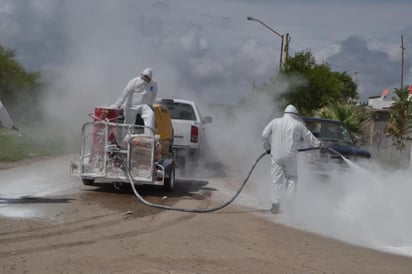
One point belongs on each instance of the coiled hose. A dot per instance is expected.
(206, 210)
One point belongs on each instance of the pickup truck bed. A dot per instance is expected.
(188, 126)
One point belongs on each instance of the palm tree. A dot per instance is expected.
(352, 115)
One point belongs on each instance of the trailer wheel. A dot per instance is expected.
(88, 182)
(170, 181)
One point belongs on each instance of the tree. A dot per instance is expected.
(318, 85)
(352, 115)
(400, 121)
(17, 84)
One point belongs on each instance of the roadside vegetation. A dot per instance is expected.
(15, 146)
(310, 86)
(317, 90)
(400, 122)
(20, 90)
(352, 115)
(21, 93)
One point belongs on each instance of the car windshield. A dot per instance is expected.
(330, 131)
(180, 111)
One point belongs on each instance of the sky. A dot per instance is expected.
(206, 50)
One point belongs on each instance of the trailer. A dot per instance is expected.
(111, 150)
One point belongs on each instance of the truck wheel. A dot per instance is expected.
(170, 181)
(88, 182)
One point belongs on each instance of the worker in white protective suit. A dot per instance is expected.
(280, 139)
(137, 98)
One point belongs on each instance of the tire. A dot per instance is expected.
(88, 182)
(170, 181)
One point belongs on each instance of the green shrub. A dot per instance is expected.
(16, 146)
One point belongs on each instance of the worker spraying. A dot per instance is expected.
(280, 139)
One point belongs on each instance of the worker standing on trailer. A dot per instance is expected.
(137, 98)
(280, 139)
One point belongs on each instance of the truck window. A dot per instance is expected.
(180, 111)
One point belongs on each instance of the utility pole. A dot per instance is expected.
(287, 47)
(282, 37)
(402, 50)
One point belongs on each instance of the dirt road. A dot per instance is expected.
(104, 230)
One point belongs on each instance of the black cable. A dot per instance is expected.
(206, 210)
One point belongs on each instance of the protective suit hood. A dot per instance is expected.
(291, 109)
(148, 72)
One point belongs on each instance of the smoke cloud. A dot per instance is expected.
(364, 206)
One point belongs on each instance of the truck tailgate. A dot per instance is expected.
(183, 133)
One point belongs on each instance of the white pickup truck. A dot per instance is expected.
(189, 128)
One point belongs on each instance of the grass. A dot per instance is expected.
(16, 146)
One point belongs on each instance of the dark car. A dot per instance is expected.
(335, 135)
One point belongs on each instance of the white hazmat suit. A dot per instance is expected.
(281, 137)
(137, 98)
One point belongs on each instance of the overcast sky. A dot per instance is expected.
(205, 49)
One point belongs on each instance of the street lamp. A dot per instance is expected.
(250, 18)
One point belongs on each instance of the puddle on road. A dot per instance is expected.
(123, 199)
(32, 207)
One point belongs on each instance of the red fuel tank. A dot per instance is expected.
(106, 113)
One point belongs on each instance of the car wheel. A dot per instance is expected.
(170, 180)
